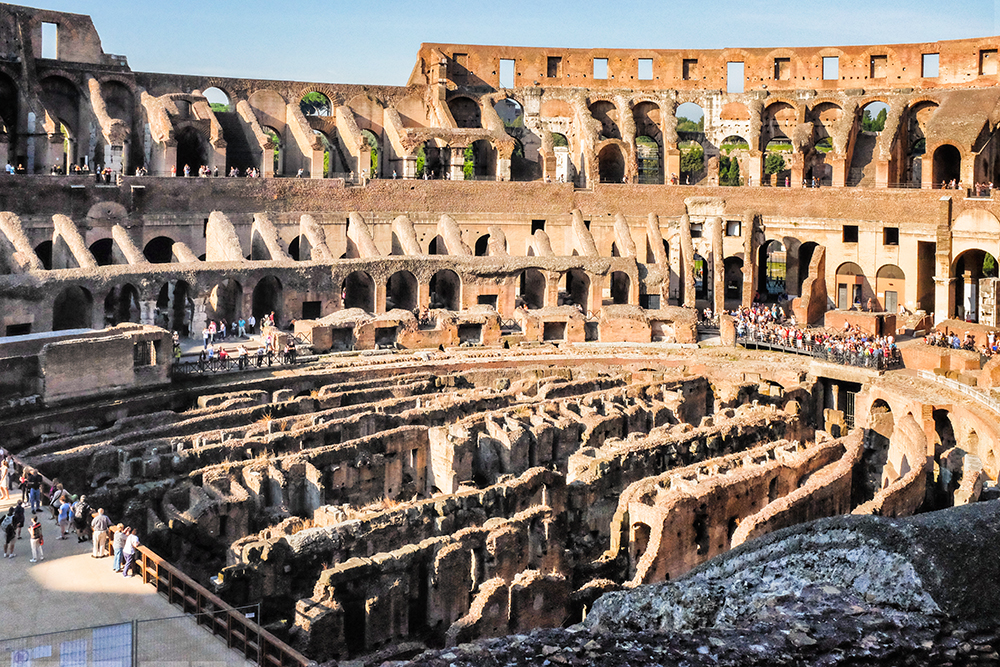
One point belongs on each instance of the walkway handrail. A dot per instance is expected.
(240, 633)
(231, 363)
(972, 392)
(820, 351)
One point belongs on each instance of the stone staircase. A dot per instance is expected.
(862, 172)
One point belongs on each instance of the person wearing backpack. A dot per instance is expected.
(81, 519)
(35, 530)
(9, 533)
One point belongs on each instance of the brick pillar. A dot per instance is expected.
(839, 164)
(687, 262)
(457, 163)
(798, 169)
(718, 266)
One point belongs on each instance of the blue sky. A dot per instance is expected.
(376, 41)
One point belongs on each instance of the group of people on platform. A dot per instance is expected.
(71, 514)
(768, 324)
(242, 328)
(952, 340)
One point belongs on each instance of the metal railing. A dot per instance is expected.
(233, 363)
(972, 392)
(858, 359)
(239, 632)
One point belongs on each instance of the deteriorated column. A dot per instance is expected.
(749, 258)
(687, 261)
(718, 266)
(944, 285)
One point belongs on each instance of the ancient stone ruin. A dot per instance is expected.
(515, 391)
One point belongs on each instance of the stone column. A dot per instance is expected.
(798, 168)
(200, 318)
(456, 166)
(718, 266)
(503, 168)
(755, 168)
(687, 262)
(927, 172)
(749, 259)
(147, 312)
(409, 166)
(839, 164)
(380, 295)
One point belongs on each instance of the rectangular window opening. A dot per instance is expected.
(734, 228)
(890, 236)
(645, 68)
(850, 233)
(459, 65)
(50, 40)
(600, 68)
(734, 77)
(506, 73)
(988, 61)
(878, 67)
(554, 67)
(929, 64)
(782, 69)
(537, 225)
(831, 68)
(690, 65)
(312, 310)
(696, 231)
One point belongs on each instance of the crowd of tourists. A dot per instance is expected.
(952, 340)
(72, 515)
(770, 325)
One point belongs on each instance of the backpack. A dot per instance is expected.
(7, 521)
(80, 511)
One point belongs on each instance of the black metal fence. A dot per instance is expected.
(827, 351)
(234, 363)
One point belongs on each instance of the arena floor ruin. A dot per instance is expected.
(507, 400)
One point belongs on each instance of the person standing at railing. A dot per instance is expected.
(35, 532)
(117, 544)
(129, 550)
(100, 526)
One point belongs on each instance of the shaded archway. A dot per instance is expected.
(72, 309)
(192, 150)
(611, 164)
(733, 268)
(159, 250)
(225, 301)
(358, 291)
(806, 251)
(607, 114)
(578, 289)
(772, 270)
(103, 251)
(947, 165)
(620, 286)
(446, 290)
(267, 299)
(437, 246)
(968, 269)
(276, 152)
(466, 112)
(701, 282)
(372, 169)
(850, 280)
(483, 246)
(890, 283)
(401, 291)
(174, 307)
(869, 473)
(44, 252)
(121, 305)
(531, 289)
(294, 250)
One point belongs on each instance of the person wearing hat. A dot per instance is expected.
(35, 531)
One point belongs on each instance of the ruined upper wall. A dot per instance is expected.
(77, 40)
(965, 62)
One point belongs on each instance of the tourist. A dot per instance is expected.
(187, 171)
(99, 526)
(129, 550)
(4, 479)
(55, 500)
(298, 174)
(9, 533)
(211, 332)
(35, 534)
(117, 544)
(81, 519)
(34, 482)
(204, 335)
(65, 515)
(242, 328)
(252, 322)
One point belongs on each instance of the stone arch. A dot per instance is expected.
(733, 271)
(611, 163)
(701, 281)
(578, 289)
(9, 104)
(374, 167)
(269, 107)
(482, 248)
(851, 286)
(890, 285)
(969, 267)
(778, 122)
(358, 291)
(620, 286)
(531, 288)
(806, 251)
(103, 251)
(437, 246)
(315, 103)
(446, 290)
(72, 309)
(44, 252)
(824, 117)
(918, 116)
(294, 249)
(871, 471)
(121, 305)
(947, 165)
(277, 150)
(267, 298)
(119, 101)
(218, 99)
(225, 301)
(175, 307)
(401, 291)
(159, 250)
(483, 159)
(606, 113)
(466, 112)
(648, 141)
(193, 149)
(772, 270)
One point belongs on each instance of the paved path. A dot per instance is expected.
(71, 590)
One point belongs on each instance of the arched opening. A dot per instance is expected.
(267, 299)
(639, 543)
(947, 166)
(175, 308)
(869, 475)
(607, 115)
(611, 164)
(690, 136)
(772, 266)
(648, 142)
(102, 250)
(578, 289)
(72, 309)
(401, 291)
(218, 100)
(62, 100)
(733, 267)
(850, 286)
(969, 268)
(192, 150)
(701, 284)
(480, 161)
(446, 290)
(890, 283)
(159, 250)
(918, 118)
(620, 286)
(328, 154)
(358, 291)
(9, 97)
(374, 157)
(466, 112)
(315, 104)
(521, 168)
(121, 305)
(44, 252)
(225, 301)
(943, 482)
(531, 289)
(277, 150)
(511, 114)
(806, 251)
(437, 246)
(293, 249)
(483, 246)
